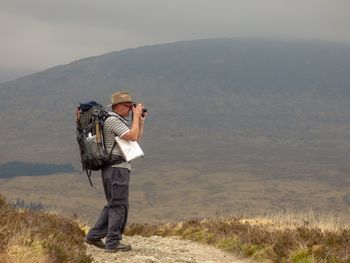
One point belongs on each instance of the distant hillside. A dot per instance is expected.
(280, 108)
(234, 125)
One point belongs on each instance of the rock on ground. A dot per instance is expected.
(157, 249)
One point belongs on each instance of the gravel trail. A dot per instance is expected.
(157, 249)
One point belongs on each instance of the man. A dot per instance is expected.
(115, 178)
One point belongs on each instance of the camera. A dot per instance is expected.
(144, 110)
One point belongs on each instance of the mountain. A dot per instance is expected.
(221, 87)
(267, 109)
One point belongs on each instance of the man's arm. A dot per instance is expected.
(141, 124)
(134, 133)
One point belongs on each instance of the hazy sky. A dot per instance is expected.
(38, 34)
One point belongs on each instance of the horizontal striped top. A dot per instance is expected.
(115, 125)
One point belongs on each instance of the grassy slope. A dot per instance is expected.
(40, 237)
(265, 240)
(33, 237)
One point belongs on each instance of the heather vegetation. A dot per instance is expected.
(264, 240)
(34, 237)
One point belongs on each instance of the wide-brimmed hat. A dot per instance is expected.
(120, 97)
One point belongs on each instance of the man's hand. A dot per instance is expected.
(136, 126)
(137, 111)
(143, 116)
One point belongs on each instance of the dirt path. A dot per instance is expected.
(157, 249)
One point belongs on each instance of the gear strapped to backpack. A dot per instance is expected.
(94, 156)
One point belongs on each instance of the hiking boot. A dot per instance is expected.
(120, 247)
(97, 243)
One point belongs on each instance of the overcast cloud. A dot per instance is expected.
(39, 34)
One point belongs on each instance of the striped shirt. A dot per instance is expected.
(115, 126)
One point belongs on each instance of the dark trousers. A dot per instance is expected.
(114, 215)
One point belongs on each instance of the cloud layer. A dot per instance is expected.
(38, 34)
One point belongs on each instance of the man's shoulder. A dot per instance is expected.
(114, 118)
(111, 115)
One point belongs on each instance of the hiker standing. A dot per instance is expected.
(115, 178)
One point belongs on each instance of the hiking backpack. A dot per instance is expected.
(90, 118)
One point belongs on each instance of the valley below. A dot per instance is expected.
(185, 191)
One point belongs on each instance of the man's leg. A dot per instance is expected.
(100, 229)
(118, 207)
(116, 219)
(126, 212)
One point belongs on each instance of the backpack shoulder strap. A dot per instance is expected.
(115, 142)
